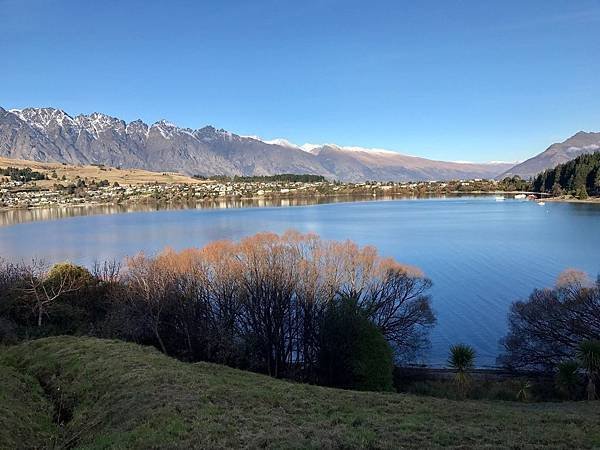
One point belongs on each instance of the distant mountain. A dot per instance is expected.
(559, 153)
(356, 163)
(51, 135)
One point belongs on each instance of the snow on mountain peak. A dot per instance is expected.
(42, 118)
(282, 143)
(165, 128)
(96, 123)
(316, 148)
(366, 150)
(310, 148)
(277, 141)
(164, 123)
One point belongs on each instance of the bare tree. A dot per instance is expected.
(268, 280)
(266, 297)
(107, 271)
(150, 281)
(45, 286)
(399, 305)
(548, 327)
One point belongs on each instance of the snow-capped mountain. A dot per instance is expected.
(556, 154)
(49, 134)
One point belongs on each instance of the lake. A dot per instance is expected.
(481, 254)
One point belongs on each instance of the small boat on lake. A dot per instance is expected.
(500, 199)
(520, 196)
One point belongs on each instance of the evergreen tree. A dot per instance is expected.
(353, 352)
(579, 177)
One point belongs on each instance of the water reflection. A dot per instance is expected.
(16, 216)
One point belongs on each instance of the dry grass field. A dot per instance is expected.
(98, 173)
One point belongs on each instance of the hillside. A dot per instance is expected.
(110, 394)
(52, 135)
(580, 177)
(96, 173)
(358, 164)
(559, 153)
(25, 413)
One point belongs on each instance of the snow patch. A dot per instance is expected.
(41, 118)
(165, 128)
(282, 143)
(310, 147)
(252, 136)
(504, 162)
(277, 141)
(367, 150)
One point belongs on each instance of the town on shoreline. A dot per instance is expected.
(39, 185)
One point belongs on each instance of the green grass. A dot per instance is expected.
(117, 395)
(26, 416)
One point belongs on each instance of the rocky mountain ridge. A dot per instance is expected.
(52, 135)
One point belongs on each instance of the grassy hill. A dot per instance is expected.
(110, 394)
(96, 173)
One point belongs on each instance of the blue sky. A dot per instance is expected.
(453, 80)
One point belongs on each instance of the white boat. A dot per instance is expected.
(499, 199)
(542, 203)
(520, 196)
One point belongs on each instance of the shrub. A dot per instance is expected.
(524, 390)
(8, 331)
(547, 328)
(589, 355)
(462, 360)
(567, 379)
(353, 352)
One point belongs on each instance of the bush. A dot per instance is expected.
(567, 379)
(589, 355)
(8, 332)
(66, 271)
(37, 302)
(462, 360)
(546, 329)
(353, 352)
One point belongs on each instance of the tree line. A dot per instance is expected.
(294, 306)
(579, 177)
(290, 305)
(24, 175)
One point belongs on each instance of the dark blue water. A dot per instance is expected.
(480, 254)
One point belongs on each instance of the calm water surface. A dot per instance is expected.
(480, 254)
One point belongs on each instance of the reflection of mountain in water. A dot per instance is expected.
(15, 216)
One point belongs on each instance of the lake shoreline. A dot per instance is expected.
(16, 215)
(9, 215)
(590, 200)
(313, 199)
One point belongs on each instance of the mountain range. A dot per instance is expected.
(52, 135)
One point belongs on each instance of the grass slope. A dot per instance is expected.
(112, 174)
(112, 394)
(25, 414)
